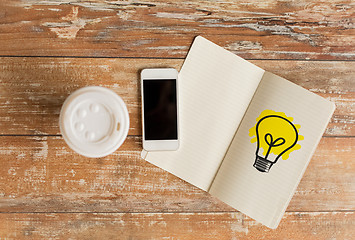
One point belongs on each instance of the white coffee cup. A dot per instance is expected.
(94, 121)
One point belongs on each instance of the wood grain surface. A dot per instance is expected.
(253, 29)
(187, 226)
(42, 174)
(49, 48)
(33, 89)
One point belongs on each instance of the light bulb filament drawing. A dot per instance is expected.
(271, 143)
(276, 137)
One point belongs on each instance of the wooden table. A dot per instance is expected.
(51, 48)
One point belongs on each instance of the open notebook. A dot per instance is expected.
(247, 135)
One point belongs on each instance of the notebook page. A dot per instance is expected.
(241, 182)
(215, 89)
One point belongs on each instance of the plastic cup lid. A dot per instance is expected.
(94, 121)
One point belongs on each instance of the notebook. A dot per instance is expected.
(247, 135)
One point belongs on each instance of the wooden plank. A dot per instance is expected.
(32, 90)
(312, 226)
(41, 174)
(266, 29)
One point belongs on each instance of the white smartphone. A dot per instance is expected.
(160, 109)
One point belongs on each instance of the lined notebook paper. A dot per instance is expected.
(265, 196)
(215, 88)
(224, 104)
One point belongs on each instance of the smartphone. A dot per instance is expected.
(160, 109)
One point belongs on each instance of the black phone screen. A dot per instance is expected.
(160, 109)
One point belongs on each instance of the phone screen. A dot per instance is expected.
(160, 109)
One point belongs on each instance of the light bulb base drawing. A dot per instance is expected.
(262, 164)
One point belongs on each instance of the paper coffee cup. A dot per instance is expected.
(94, 121)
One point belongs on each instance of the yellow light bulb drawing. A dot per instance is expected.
(276, 137)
